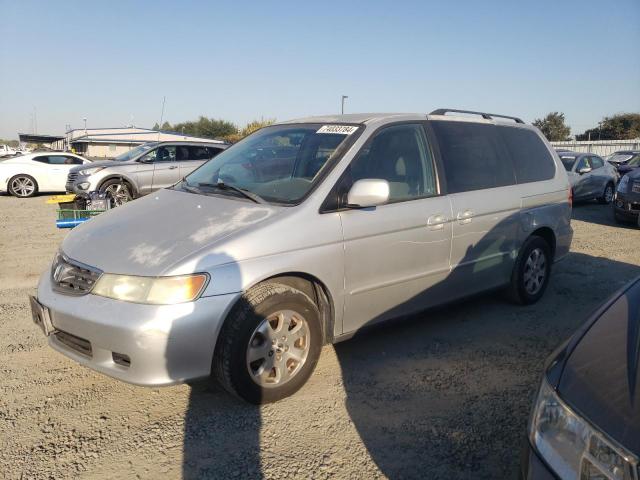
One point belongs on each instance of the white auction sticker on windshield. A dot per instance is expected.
(339, 129)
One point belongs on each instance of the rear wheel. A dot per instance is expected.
(531, 272)
(607, 194)
(23, 186)
(269, 344)
(118, 191)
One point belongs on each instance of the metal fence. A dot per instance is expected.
(599, 147)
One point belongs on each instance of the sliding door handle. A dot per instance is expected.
(436, 222)
(464, 216)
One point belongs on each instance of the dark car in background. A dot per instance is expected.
(586, 420)
(626, 207)
(590, 176)
(625, 162)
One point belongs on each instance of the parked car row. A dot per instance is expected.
(590, 176)
(26, 175)
(135, 173)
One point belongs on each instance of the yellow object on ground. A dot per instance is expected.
(70, 197)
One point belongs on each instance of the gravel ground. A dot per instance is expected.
(445, 395)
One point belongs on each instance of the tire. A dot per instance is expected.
(23, 186)
(119, 191)
(521, 290)
(607, 194)
(241, 339)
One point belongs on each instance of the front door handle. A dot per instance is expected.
(464, 216)
(173, 167)
(436, 222)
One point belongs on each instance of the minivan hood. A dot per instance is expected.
(151, 235)
(601, 378)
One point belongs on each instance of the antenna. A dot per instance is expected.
(161, 117)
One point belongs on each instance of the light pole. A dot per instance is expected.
(344, 97)
(85, 125)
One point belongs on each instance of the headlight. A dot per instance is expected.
(622, 185)
(572, 447)
(153, 290)
(91, 171)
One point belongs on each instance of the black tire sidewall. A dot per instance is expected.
(35, 184)
(531, 244)
(603, 198)
(241, 381)
(115, 181)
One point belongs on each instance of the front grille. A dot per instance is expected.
(78, 344)
(72, 177)
(71, 277)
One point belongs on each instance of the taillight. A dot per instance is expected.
(570, 198)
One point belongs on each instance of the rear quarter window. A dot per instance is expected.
(473, 156)
(531, 159)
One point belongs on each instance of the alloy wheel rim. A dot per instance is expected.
(608, 194)
(22, 186)
(278, 348)
(535, 271)
(119, 194)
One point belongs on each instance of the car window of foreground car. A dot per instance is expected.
(131, 154)
(281, 164)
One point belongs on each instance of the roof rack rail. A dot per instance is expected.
(487, 116)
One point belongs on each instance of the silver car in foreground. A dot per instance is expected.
(142, 170)
(300, 235)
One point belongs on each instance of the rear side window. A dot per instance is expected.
(531, 158)
(597, 162)
(58, 160)
(473, 156)
(213, 151)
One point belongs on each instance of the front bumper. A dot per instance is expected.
(73, 186)
(627, 207)
(164, 344)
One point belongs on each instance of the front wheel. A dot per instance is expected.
(269, 344)
(531, 272)
(117, 191)
(23, 186)
(607, 194)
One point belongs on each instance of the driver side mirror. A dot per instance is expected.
(368, 192)
(584, 170)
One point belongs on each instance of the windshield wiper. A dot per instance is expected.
(225, 186)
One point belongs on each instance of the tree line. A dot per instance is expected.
(623, 126)
(215, 128)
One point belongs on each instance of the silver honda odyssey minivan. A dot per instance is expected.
(302, 234)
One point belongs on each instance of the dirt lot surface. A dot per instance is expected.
(445, 395)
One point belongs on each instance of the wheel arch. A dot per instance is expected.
(548, 235)
(123, 178)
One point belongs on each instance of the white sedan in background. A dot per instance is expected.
(26, 175)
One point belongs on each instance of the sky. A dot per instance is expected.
(113, 62)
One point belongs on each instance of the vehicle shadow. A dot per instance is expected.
(446, 393)
(593, 212)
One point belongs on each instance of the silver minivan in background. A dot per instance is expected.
(300, 235)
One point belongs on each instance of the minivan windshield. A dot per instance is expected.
(278, 164)
(135, 152)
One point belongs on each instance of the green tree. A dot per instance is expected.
(166, 126)
(156, 126)
(553, 126)
(249, 129)
(206, 128)
(623, 126)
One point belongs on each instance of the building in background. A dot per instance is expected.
(106, 142)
